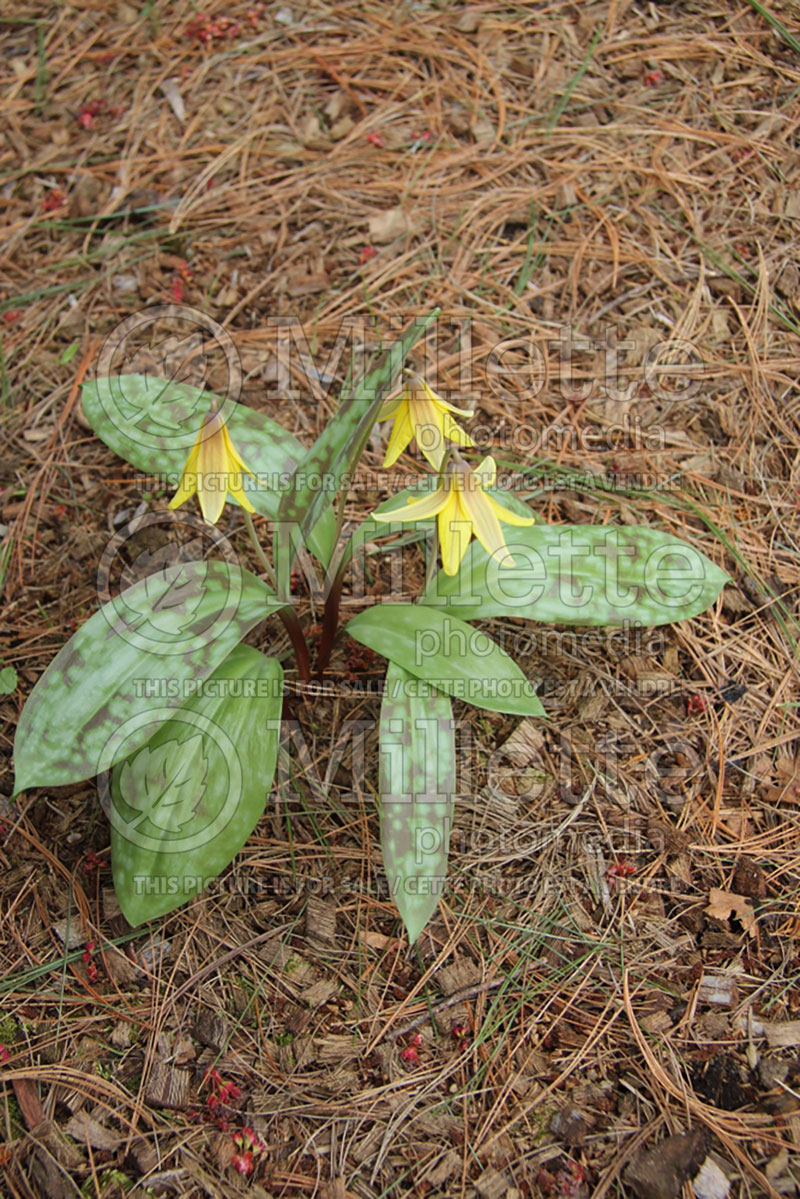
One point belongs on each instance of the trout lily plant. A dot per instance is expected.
(158, 695)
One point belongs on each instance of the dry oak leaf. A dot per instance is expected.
(787, 789)
(724, 904)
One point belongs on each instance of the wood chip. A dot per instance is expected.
(84, 1128)
(27, 1096)
(656, 1023)
(749, 880)
(302, 284)
(570, 1126)
(717, 990)
(336, 1049)
(444, 1169)
(458, 977)
(711, 1182)
(211, 1029)
(320, 992)
(468, 20)
(492, 1184)
(70, 933)
(335, 1189)
(122, 1034)
(321, 921)
(167, 1086)
(782, 1033)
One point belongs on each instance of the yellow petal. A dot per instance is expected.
(233, 453)
(486, 472)
(212, 472)
(431, 394)
(237, 492)
(454, 432)
(187, 484)
(402, 432)
(422, 509)
(211, 492)
(237, 468)
(427, 420)
(454, 534)
(183, 494)
(509, 517)
(485, 524)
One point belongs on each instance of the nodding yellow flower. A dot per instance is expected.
(464, 509)
(420, 413)
(214, 469)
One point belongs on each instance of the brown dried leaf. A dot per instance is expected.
(524, 744)
(724, 904)
(660, 1173)
(787, 788)
(391, 224)
(171, 90)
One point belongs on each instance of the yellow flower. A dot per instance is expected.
(420, 413)
(214, 470)
(464, 510)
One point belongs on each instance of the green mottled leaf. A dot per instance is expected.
(583, 575)
(139, 654)
(447, 653)
(336, 452)
(417, 786)
(153, 423)
(183, 805)
(8, 680)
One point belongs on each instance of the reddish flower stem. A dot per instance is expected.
(330, 622)
(292, 626)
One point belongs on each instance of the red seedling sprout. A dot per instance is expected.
(462, 1032)
(249, 1146)
(620, 869)
(92, 862)
(89, 111)
(86, 958)
(243, 1162)
(53, 200)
